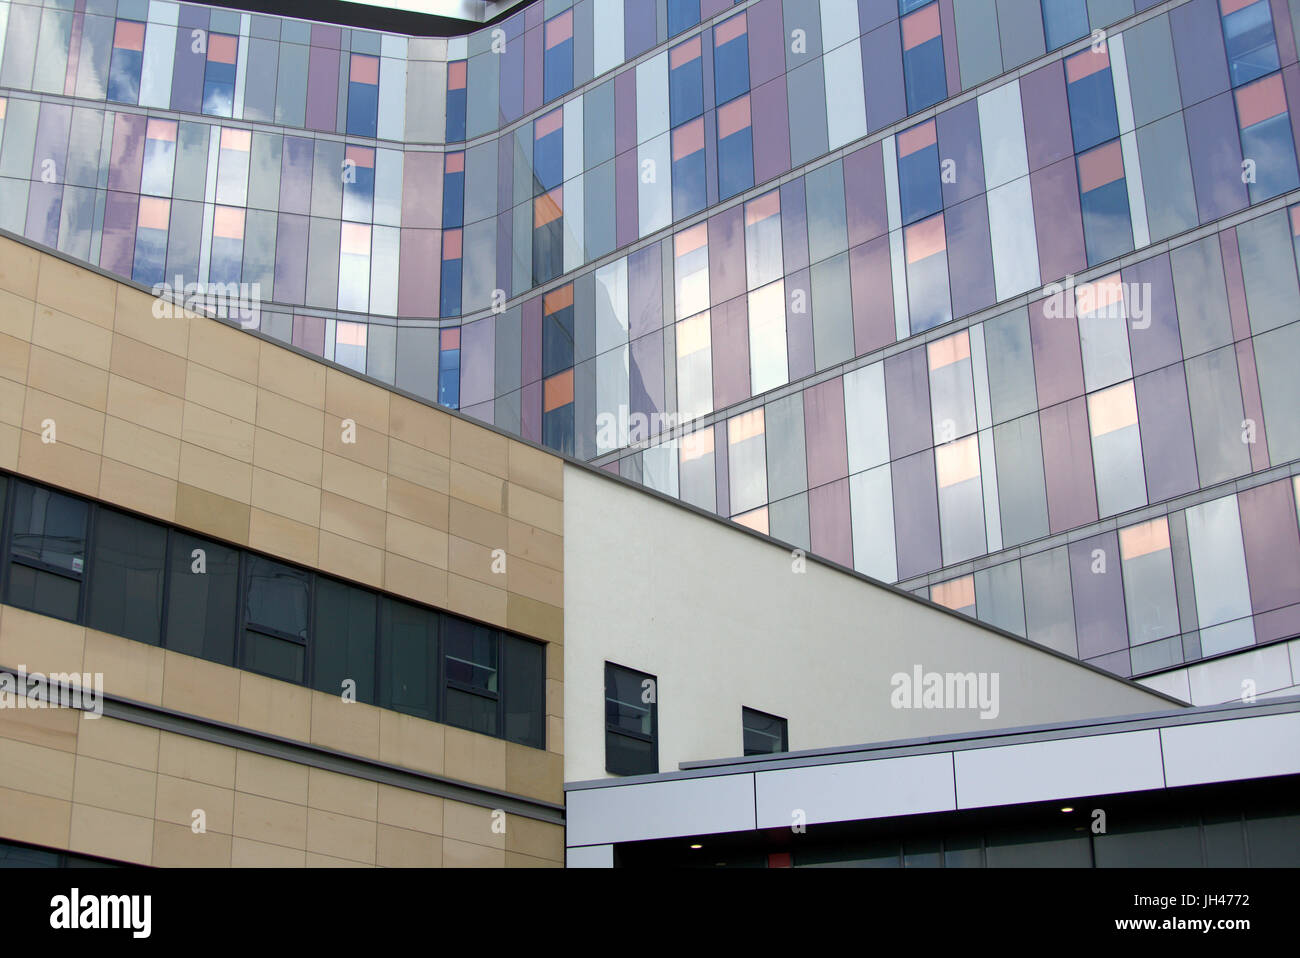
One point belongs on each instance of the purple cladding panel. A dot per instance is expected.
(646, 385)
(511, 81)
(1215, 149)
(1165, 425)
(794, 229)
(1282, 31)
(291, 260)
(948, 27)
(1268, 528)
(322, 88)
(422, 190)
(419, 275)
(873, 296)
(824, 435)
(1058, 221)
(644, 291)
(1098, 585)
(531, 347)
(882, 67)
(1251, 404)
(1058, 362)
(864, 194)
(625, 111)
(726, 255)
(1238, 312)
(530, 412)
(477, 362)
(766, 43)
(771, 129)
(829, 523)
(729, 332)
(639, 32)
(189, 65)
(1198, 39)
(626, 210)
(296, 160)
(916, 514)
(970, 256)
(959, 141)
(1067, 465)
(117, 251)
(533, 70)
(127, 155)
(1047, 116)
(1153, 335)
(875, 13)
(907, 403)
(324, 35)
(798, 325)
(309, 334)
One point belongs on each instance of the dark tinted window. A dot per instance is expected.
(408, 646)
(470, 667)
(126, 578)
(524, 686)
(202, 598)
(631, 721)
(763, 733)
(276, 604)
(344, 639)
(48, 549)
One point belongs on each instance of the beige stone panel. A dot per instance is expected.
(537, 470)
(534, 772)
(477, 759)
(415, 580)
(354, 481)
(416, 541)
(145, 406)
(76, 290)
(536, 582)
(215, 473)
(538, 619)
(58, 463)
(554, 734)
(351, 727)
(352, 520)
(527, 836)
(359, 443)
(517, 860)
(478, 488)
(218, 432)
(175, 846)
(14, 355)
(418, 465)
(70, 378)
(19, 268)
(245, 853)
(136, 489)
(268, 532)
(10, 437)
(351, 560)
(215, 515)
(342, 794)
(407, 809)
(73, 424)
(117, 787)
(347, 397)
(544, 548)
(192, 758)
(482, 526)
(47, 728)
(412, 501)
(290, 418)
(474, 823)
(402, 848)
(457, 854)
(13, 395)
(113, 740)
(224, 348)
(410, 742)
(133, 445)
(419, 425)
(17, 314)
(148, 366)
(317, 860)
(475, 561)
(41, 771)
(277, 708)
(535, 509)
(476, 600)
(38, 819)
(111, 834)
(289, 374)
(271, 821)
(341, 836)
(198, 687)
(73, 337)
(480, 448)
(222, 393)
(271, 778)
(131, 669)
(286, 497)
(179, 798)
(287, 457)
(135, 318)
(554, 697)
(555, 665)
(40, 643)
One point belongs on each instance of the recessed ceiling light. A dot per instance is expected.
(697, 846)
(1067, 809)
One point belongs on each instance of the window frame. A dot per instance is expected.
(610, 729)
(745, 711)
(9, 558)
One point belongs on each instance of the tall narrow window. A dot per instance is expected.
(276, 604)
(408, 657)
(471, 655)
(523, 686)
(631, 721)
(343, 640)
(763, 734)
(126, 577)
(202, 599)
(48, 554)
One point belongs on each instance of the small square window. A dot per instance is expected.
(763, 734)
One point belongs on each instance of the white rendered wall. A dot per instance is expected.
(720, 618)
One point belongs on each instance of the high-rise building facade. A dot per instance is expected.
(991, 301)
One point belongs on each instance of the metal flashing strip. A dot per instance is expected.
(316, 756)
